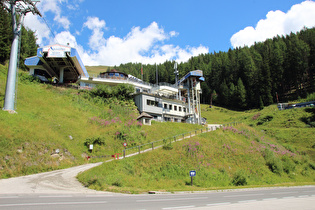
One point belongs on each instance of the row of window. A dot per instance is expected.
(166, 106)
(152, 103)
(175, 107)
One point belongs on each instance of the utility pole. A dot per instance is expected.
(18, 9)
(176, 80)
(157, 75)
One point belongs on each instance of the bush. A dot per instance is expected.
(94, 140)
(25, 78)
(168, 146)
(288, 164)
(265, 119)
(121, 91)
(239, 179)
(273, 163)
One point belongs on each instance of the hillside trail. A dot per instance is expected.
(62, 181)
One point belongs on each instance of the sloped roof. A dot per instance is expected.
(143, 114)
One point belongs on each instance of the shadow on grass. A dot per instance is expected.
(311, 119)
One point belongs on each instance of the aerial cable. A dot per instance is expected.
(51, 31)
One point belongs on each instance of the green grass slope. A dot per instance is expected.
(226, 158)
(270, 148)
(96, 70)
(50, 118)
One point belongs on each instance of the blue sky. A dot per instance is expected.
(139, 31)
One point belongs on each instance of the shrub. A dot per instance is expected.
(25, 78)
(94, 140)
(239, 179)
(288, 164)
(265, 119)
(273, 163)
(168, 146)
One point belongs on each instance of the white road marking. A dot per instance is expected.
(179, 207)
(97, 196)
(172, 199)
(279, 193)
(57, 203)
(55, 196)
(247, 201)
(230, 196)
(303, 196)
(290, 197)
(9, 197)
(269, 199)
(218, 204)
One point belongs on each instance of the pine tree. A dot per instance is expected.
(5, 34)
(224, 94)
(240, 94)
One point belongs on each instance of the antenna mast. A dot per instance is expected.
(176, 74)
(17, 9)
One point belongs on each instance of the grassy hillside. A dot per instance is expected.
(96, 70)
(50, 118)
(270, 148)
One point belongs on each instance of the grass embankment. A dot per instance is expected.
(270, 148)
(50, 118)
(96, 70)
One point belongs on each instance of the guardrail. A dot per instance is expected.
(159, 143)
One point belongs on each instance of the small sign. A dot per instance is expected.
(91, 147)
(192, 173)
(125, 144)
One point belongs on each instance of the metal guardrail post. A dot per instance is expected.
(152, 146)
(139, 149)
(124, 153)
(175, 138)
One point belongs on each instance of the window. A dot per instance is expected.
(180, 108)
(152, 103)
(170, 107)
(165, 106)
(184, 109)
(116, 74)
(175, 108)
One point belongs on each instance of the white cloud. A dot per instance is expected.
(277, 23)
(37, 24)
(54, 6)
(64, 38)
(145, 45)
(42, 32)
(97, 26)
(139, 45)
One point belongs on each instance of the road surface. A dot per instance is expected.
(273, 198)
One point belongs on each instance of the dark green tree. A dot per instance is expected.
(240, 94)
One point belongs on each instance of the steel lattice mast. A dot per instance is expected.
(18, 9)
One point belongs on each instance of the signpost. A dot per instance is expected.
(192, 174)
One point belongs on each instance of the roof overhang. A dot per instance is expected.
(53, 58)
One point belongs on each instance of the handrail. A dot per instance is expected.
(174, 139)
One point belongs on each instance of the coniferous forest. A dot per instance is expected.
(279, 69)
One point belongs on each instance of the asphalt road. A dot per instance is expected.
(271, 198)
